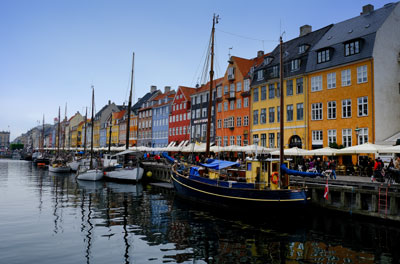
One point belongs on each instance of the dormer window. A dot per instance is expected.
(303, 48)
(351, 48)
(268, 60)
(323, 55)
(260, 75)
(275, 71)
(159, 101)
(231, 73)
(295, 65)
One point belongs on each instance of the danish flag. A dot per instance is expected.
(326, 190)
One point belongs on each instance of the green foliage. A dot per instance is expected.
(15, 146)
(335, 146)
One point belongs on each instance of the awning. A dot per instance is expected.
(219, 164)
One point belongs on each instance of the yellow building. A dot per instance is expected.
(96, 133)
(266, 92)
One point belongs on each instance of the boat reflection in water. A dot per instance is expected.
(108, 222)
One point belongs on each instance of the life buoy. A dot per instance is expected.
(275, 177)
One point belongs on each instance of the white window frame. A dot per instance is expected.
(239, 103)
(246, 121)
(362, 106)
(362, 74)
(331, 106)
(317, 137)
(332, 136)
(316, 83)
(363, 135)
(331, 80)
(346, 137)
(346, 77)
(346, 108)
(316, 111)
(245, 102)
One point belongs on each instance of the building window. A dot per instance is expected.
(300, 111)
(278, 114)
(271, 139)
(271, 91)
(198, 99)
(346, 108)
(363, 136)
(239, 103)
(346, 77)
(246, 85)
(260, 75)
(246, 102)
(245, 120)
(331, 80)
(278, 140)
(263, 116)
(331, 136)
(363, 106)
(219, 91)
(219, 123)
(332, 110)
(198, 113)
(295, 64)
(316, 83)
(239, 140)
(226, 106)
(275, 71)
(362, 76)
(231, 73)
(323, 56)
(219, 107)
(238, 86)
(263, 93)
(255, 139)
(225, 140)
(255, 117)
(271, 111)
(299, 86)
(263, 140)
(289, 112)
(232, 105)
(278, 90)
(239, 121)
(316, 111)
(232, 140)
(346, 137)
(302, 49)
(219, 141)
(317, 137)
(289, 87)
(255, 95)
(352, 48)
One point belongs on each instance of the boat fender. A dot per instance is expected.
(275, 177)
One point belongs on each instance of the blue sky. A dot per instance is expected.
(51, 52)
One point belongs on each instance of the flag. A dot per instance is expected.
(326, 190)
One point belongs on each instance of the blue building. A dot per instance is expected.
(161, 109)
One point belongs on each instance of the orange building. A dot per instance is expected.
(233, 102)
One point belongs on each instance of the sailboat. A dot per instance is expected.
(91, 174)
(59, 165)
(131, 172)
(39, 158)
(262, 183)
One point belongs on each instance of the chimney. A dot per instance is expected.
(304, 30)
(153, 88)
(367, 9)
(109, 102)
(167, 89)
(260, 53)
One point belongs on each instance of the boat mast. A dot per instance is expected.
(109, 136)
(129, 105)
(59, 133)
(215, 21)
(84, 142)
(43, 136)
(91, 132)
(63, 130)
(281, 133)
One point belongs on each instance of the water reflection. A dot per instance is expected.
(107, 222)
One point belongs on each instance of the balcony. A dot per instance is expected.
(230, 96)
(231, 77)
(245, 93)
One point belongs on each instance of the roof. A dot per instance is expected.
(206, 87)
(291, 52)
(362, 27)
(118, 115)
(187, 91)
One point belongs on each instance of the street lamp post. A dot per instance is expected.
(357, 130)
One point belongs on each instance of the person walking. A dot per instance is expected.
(332, 167)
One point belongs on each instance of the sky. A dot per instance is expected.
(52, 52)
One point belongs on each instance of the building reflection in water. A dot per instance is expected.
(176, 231)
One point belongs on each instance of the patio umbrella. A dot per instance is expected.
(391, 149)
(295, 151)
(363, 148)
(323, 152)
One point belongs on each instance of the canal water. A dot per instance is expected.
(50, 218)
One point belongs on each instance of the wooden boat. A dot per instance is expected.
(59, 165)
(261, 183)
(126, 172)
(90, 173)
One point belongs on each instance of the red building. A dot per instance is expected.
(179, 118)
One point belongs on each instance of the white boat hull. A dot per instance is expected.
(60, 169)
(125, 174)
(90, 175)
(74, 165)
